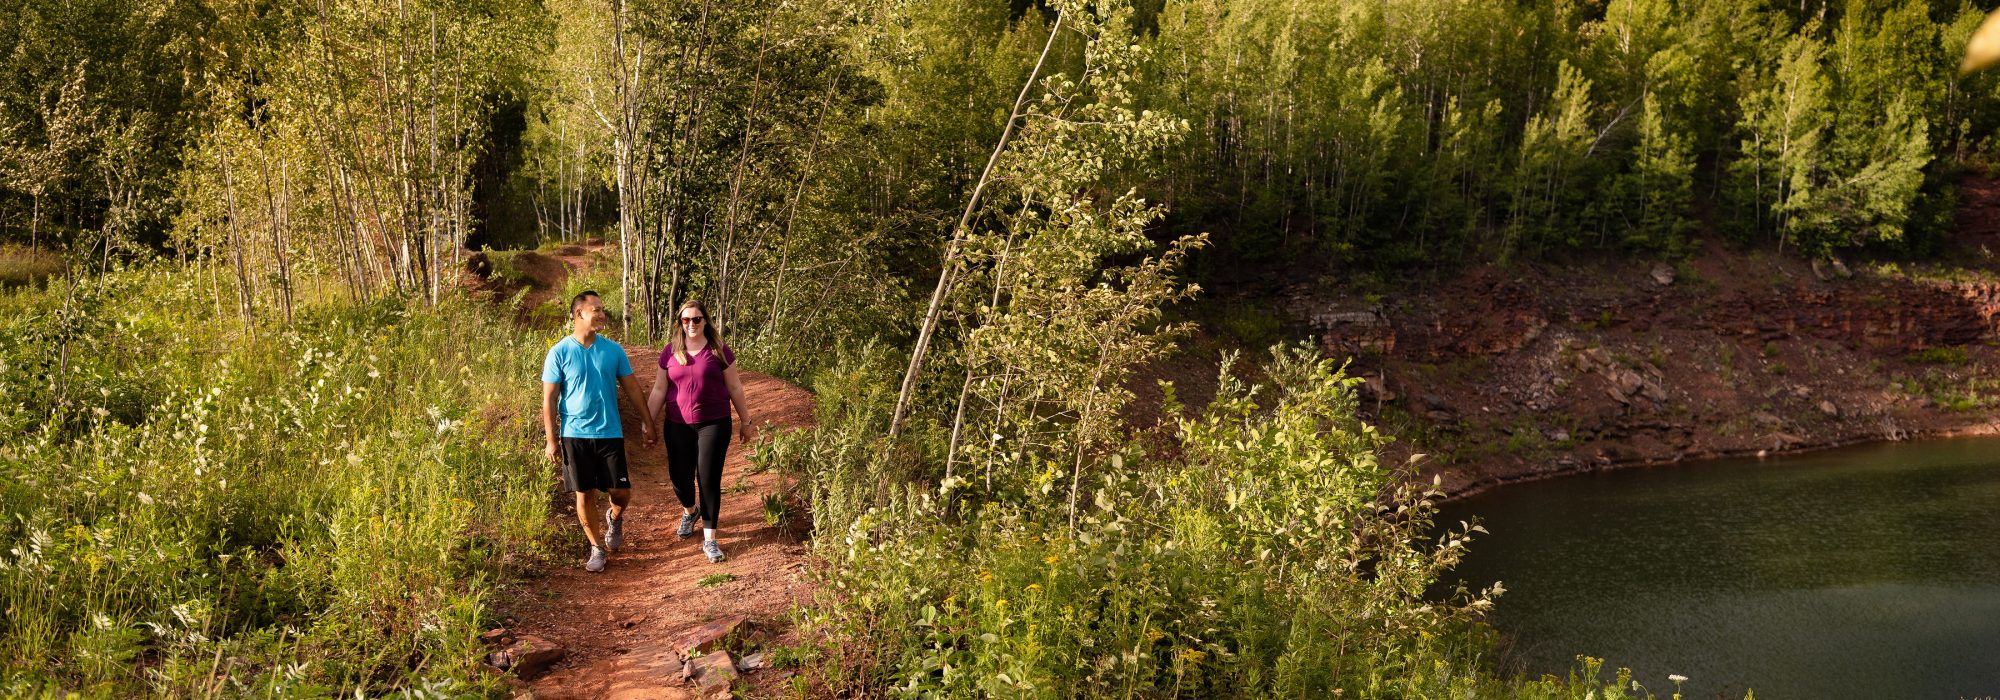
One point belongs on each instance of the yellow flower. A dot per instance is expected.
(1034, 588)
(1191, 656)
(1001, 604)
(1155, 635)
(1051, 559)
(985, 575)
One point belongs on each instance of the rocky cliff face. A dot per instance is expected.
(1507, 375)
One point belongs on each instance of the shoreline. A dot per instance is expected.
(1452, 494)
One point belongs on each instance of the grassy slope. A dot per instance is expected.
(193, 509)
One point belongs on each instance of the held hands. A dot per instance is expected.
(746, 431)
(550, 451)
(651, 437)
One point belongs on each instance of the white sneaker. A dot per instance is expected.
(614, 532)
(714, 552)
(596, 562)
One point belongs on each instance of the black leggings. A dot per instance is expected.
(694, 459)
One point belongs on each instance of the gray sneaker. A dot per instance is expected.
(714, 552)
(596, 562)
(614, 532)
(687, 525)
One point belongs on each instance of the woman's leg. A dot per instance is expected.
(714, 446)
(681, 458)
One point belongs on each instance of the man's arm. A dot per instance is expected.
(656, 402)
(549, 393)
(629, 389)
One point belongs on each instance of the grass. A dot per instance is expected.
(507, 267)
(21, 267)
(192, 509)
(713, 580)
(775, 510)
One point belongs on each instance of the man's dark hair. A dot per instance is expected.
(577, 301)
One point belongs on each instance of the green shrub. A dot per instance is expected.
(1251, 325)
(1259, 562)
(1951, 356)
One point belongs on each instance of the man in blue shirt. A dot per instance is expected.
(582, 377)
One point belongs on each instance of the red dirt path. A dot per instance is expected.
(617, 625)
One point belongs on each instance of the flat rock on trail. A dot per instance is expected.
(619, 625)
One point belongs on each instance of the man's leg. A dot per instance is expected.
(620, 498)
(620, 485)
(586, 511)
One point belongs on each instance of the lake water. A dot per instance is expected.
(1869, 572)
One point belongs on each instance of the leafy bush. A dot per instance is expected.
(1274, 556)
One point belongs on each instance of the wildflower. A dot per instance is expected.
(1677, 678)
(1001, 604)
(985, 575)
(1051, 559)
(1155, 635)
(1034, 588)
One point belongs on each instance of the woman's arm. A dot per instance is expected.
(657, 400)
(746, 428)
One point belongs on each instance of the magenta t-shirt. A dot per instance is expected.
(699, 394)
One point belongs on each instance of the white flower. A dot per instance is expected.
(143, 498)
(1677, 678)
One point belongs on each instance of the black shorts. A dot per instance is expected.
(594, 464)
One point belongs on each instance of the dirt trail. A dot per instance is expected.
(619, 627)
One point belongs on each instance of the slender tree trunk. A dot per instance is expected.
(772, 322)
(722, 300)
(931, 315)
(236, 243)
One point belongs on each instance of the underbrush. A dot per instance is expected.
(1270, 554)
(196, 509)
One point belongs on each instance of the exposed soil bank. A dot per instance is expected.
(1505, 375)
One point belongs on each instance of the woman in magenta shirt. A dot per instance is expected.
(694, 388)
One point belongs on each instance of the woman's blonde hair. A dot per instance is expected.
(679, 340)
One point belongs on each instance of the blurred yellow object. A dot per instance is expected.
(1983, 50)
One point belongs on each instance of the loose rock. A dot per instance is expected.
(712, 673)
(712, 636)
(1663, 274)
(528, 656)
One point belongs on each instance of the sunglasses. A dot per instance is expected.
(693, 319)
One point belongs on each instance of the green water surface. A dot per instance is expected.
(1869, 572)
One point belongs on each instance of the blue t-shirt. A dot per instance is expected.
(588, 377)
